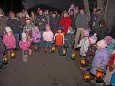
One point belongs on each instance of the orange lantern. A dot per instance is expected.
(64, 52)
(5, 59)
(53, 49)
(87, 77)
(12, 54)
(83, 62)
(73, 55)
(99, 75)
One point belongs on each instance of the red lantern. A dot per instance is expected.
(45, 50)
(83, 62)
(35, 48)
(99, 75)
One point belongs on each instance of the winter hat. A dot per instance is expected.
(102, 43)
(24, 35)
(70, 28)
(108, 39)
(86, 33)
(93, 38)
(8, 29)
(60, 27)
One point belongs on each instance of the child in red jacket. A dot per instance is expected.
(59, 40)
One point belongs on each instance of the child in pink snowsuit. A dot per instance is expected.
(9, 40)
(24, 45)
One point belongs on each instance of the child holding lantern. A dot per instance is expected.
(69, 42)
(36, 38)
(91, 51)
(48, 37)
(24, 45)
(9, 41)
(101, 57)
(59, 40)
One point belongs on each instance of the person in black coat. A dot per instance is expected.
(2, 49)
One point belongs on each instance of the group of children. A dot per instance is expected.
(98, 55)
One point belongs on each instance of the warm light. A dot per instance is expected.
(83, 62)
(64, 52)
(99, 74)
(53, 48)
(12, 54)
(87, 77)
(5, 60)
(73, 56)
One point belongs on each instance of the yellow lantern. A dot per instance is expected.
(53, 49)
(83, 62)
(73, 55)
(99, 75)
(12, 54)
(5, 59)
(87, 77)
(64, 52)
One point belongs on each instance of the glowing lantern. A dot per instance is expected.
(5, 59)
(73, 55)
(53, 49)
(12, 54)
(64, 52)
(87, 76)
(83, 62)
(99, 75)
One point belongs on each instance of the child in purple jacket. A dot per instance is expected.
(36, 38)
(24, 45)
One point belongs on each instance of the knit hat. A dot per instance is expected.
(60, 27)
(24, 35)
(8, 29)
(93, 39)
(86, 33)
(108, 39)
(102, 43)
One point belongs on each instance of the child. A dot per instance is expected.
(36, 38)
(9, 40)
(28, 28)
(84, 44)
(69, 41)
(91, 51)
(101, 57)
(110, 43)
(59, 40)
(2, 49)
(24, 45)
(48, 37)
(110, 70)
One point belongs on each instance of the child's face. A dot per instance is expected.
(68, 31)
(28, 22)
(9, 33)
(59, 31)
(86, 37)
(48, 28)
(98, 47)
(24, 39)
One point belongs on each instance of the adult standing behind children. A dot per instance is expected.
(80, 23)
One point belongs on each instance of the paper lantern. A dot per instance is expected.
(5, 59)
(53, 49)
(83, 62)
(12, 54)
(99, 75)
(87, 77)
(64, 52)
(73, 55)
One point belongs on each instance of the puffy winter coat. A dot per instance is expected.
(24, 45)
